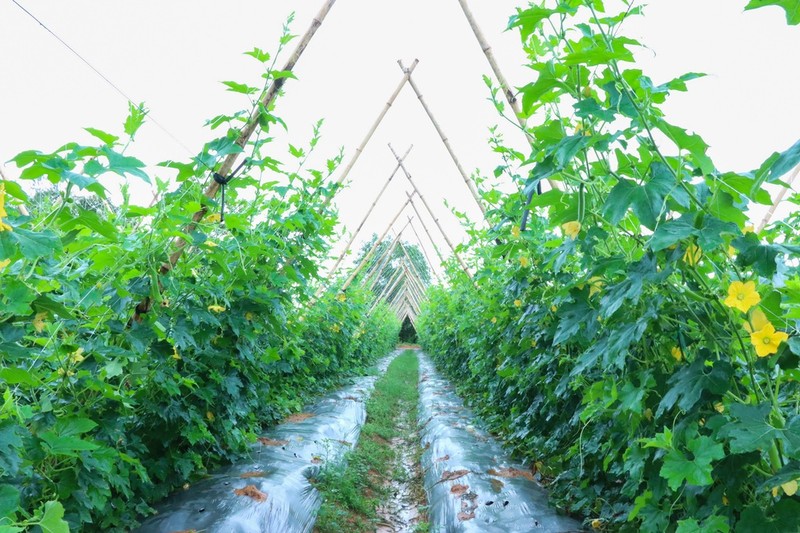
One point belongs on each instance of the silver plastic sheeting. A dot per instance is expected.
(471, 484)
(271, 491)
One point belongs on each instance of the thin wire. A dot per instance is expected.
(111, 83)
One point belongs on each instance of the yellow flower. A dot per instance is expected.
(494, 320)
(77, 356)
(214, 218)
(210, 416)
(533, 343)
(515, 232)
(596, 284)
(336, 328)
(38, 321)
(731, 251)
(692, 255)
(742, 296)
(553, 308)
(718, 407)
(61, 372)
(677, 353)
(725, 500)
(571, 229)
(597, 523)
(517, 303)
(3, 214)
(211, 244)
(766, 340)
(249, 316)
(4, 263)
(648, 414)
(341, 297)
(175, 354)
(757, 321)
(749, 229)
(790, 487)
(524, 262)
(216, 308)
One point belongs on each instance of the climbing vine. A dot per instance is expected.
(633, 336)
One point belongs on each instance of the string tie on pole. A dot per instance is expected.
(223, 181)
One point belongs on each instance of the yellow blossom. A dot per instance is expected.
(211, 244)
(742, 296)
(718, 407)
(517, 303)
(790, 487)
(38, 321)
(515, 232)
(725, 500)
(757, 321)
(731, 251)
(596, 284)
(533, 343)
(692, 255)
(494, 320)
(766, 340)
(341, 297)
(597, 523)
(553, 308)
(571, 229)
(175, 354)
(336, 328)
(77, 356)
(249, 316)
(524, 262)
(3, 214)
(61, 372)
(4, 263)
(677, 353)
(648, 414)
(216, 308)
(214, 218)
(749, 229)
(210, 416)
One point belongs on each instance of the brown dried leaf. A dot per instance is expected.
(445, 458)
(297, 417)
(462, 516)
(458, 490)
(255, 473)
(251, 492)
(510, 473)
(447, 475)
(496, 484)
(272, 442)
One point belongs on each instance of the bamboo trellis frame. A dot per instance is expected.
(433, 216)
(374, 247)
(425, 252)
(470, 184)
(366, 216)
(381, 115)
(779, 199)
(385, 259)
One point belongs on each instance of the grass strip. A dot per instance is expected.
(353, 491)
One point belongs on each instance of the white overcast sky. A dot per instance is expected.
(172, 55)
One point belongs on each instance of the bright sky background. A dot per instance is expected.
(172, 55)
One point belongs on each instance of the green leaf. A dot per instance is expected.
(618, 200)
(53, 518)
(123, 164)
(692, 143)
(92, 220)
(55, 444)
(35, 245)
(791, 7)
(136, 116)
(528, 20)
(17, 376)
(107, 138)
(672, 231)
(259, 54)
(688, 384)
(240, 87)
(751, 430)
(786, 161)
(711, 234)
(81, 181)
(44, 303)
(9, 501)
(696, 470)
(712, 524)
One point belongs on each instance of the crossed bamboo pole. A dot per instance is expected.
(366, 216)
(384, 260)
(779, 199)
(430, 211)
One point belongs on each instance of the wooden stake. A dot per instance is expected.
(445, 141)
(779, 199)
(371, 252)
(369, 212)
(377, 122)
(430, 211)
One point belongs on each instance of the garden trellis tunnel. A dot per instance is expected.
(608, 341)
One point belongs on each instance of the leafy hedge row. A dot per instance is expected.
(637, 340)
(106, 410)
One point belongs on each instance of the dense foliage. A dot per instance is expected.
(106, 410)
(635, 338)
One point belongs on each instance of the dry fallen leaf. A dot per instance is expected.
(255, 473)
(251, 492)
(458, 490)
(510, 473)
(272, 442)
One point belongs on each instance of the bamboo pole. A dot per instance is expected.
(388, 288)
(374, 247)
(425, 252)
(247, 131)
(779, 199)
(470, 184)
(414, 285)
(385, 259)
(433, 216)
(369, 212)
(179, 243)
(377, 122)
(411, 263)
(427, 232)
(510, 97)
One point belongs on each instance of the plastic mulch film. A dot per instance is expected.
(271, 491)
(470, 482)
